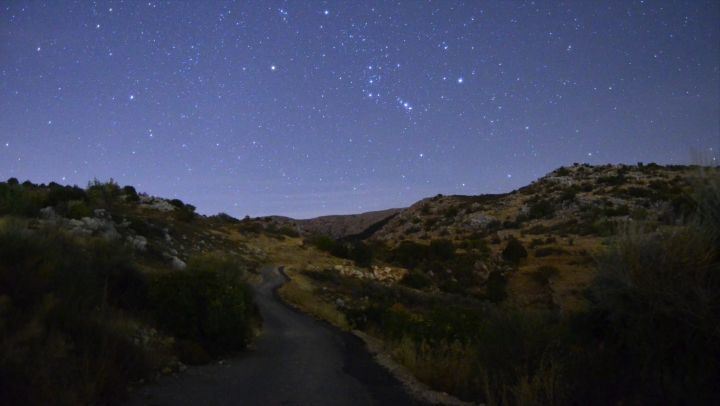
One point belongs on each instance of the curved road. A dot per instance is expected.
(296, 361)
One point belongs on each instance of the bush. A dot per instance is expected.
(496, 288)
(103, 194)
(63, 194)
(541, 209)
(19, 200)
(207, 303)
(441, 250)
(184, 213)
(514, 251)
(76, 209)
(416, 279)
(59, 340)
(130, 194)
(656, 309)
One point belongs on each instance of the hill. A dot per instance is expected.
(590, 272)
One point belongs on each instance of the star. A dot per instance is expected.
(273, 67)
(460, 80)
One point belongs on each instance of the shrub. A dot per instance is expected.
(442, 250)
(656, 308)
(207, 303)
(451, 212)
(416, 279)
(496, 288)
(77, 209)
(63, 194)
(130, 194)
(185, 213)
(20, 200)
(103, 194)
(361, 253)
(541, 209)
(59, 343)
(408, 254)
(514, 251)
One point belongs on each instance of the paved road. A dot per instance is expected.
(297, 361)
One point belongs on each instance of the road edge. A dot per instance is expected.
(415, 389)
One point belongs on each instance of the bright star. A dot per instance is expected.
(273, 67)
(460, 80)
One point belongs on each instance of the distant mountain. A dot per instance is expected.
(339, 226)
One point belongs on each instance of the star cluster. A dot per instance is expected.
(319, 107)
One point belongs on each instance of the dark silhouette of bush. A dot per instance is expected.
(20, 200)
(185, 213)
(656, 309)
(541, 209)
(130, 194)
(361, 253)
(416, 279)
(103, 194)
(62, 194)
(58, 304)
(177, 203)
(441, 250)
(207, 303)
(514, 251)
(496, 288)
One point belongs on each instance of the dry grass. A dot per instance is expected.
(300, 292)
(446, 367)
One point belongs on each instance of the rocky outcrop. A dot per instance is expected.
(384, 274)
(155, 203)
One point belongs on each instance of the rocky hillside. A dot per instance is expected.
(555, 225)
(582, 199)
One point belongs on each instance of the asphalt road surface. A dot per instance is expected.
(296, 361)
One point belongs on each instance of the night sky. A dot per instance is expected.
(305, 108)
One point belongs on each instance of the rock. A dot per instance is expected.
(178, 263)
(100, 213)
(339, 303)
(155, 203)
(482, 270)
(480, 219)
(138, 242)
(48, 213)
